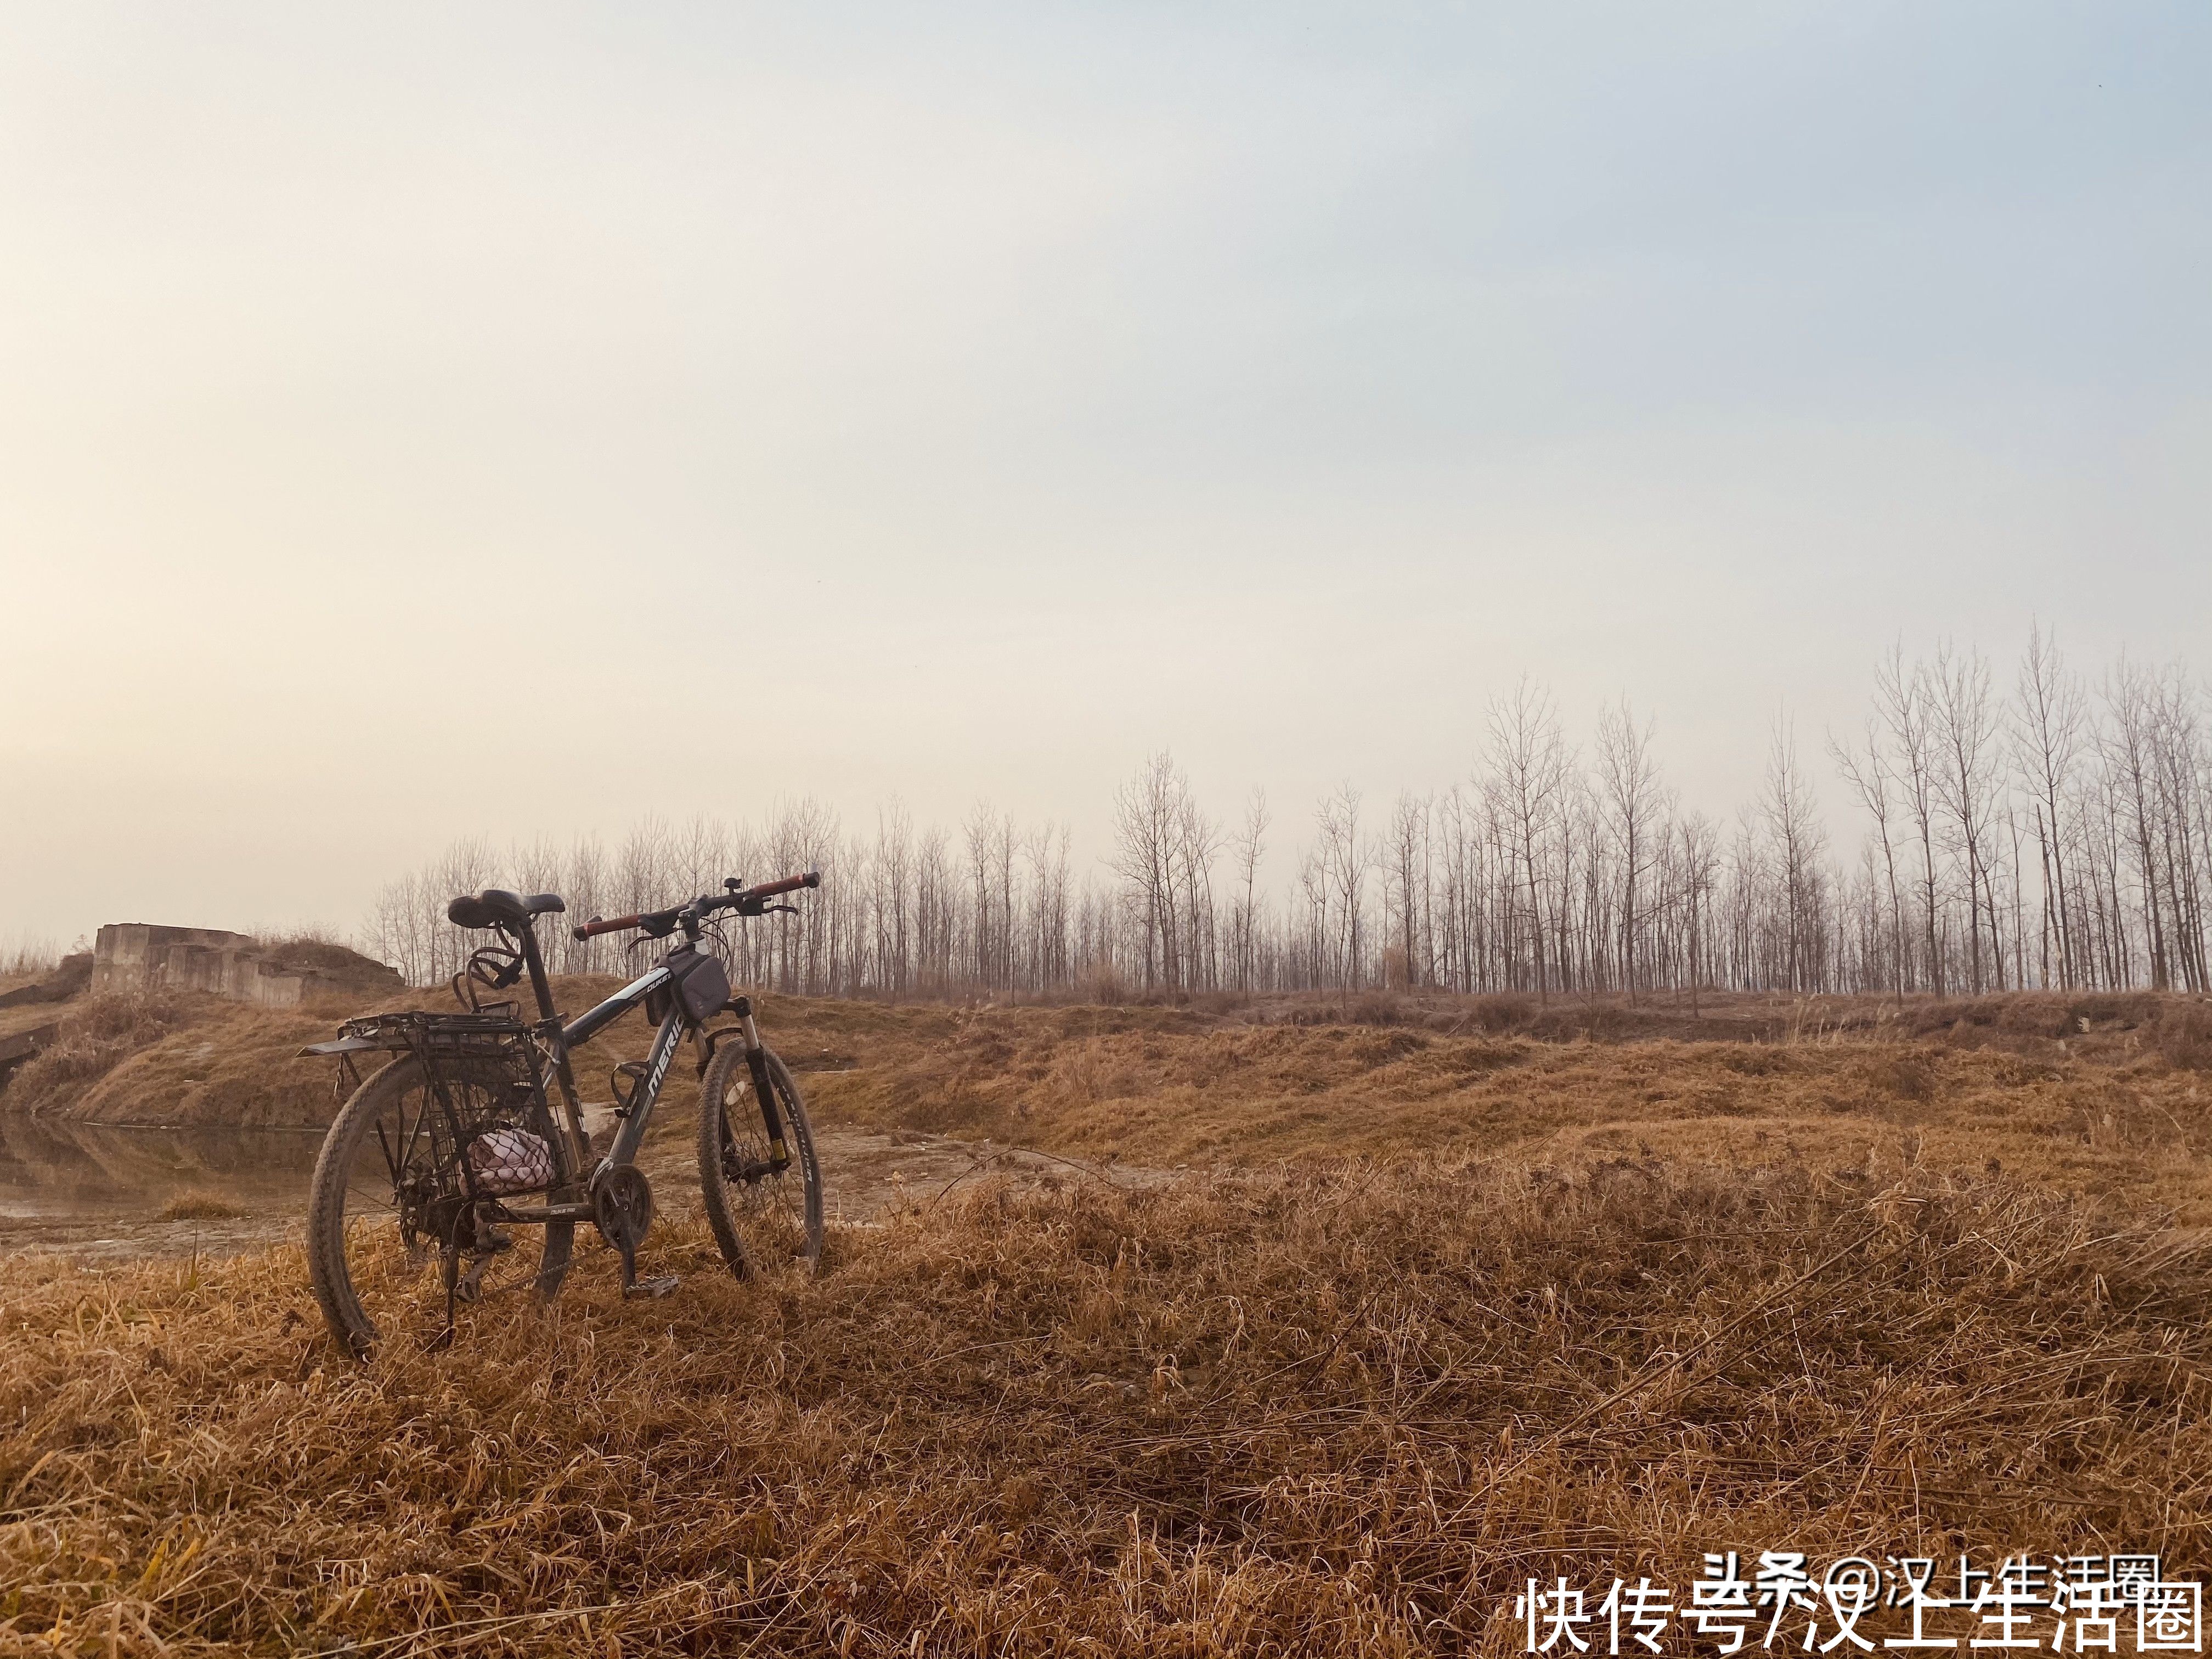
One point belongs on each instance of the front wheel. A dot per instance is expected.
(763, 1189)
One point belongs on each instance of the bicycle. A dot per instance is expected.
(455, 1138)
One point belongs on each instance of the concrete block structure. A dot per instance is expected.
(135, 956)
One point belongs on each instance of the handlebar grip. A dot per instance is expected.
(788, 884)
(584, 930)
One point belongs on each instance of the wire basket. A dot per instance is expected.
(491, 1133)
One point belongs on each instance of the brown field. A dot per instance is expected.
(1450, 1294)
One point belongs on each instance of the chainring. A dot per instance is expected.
(622, 1206)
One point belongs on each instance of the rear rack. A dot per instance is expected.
(481, 1069)
(491, 1036)
(454, 1036)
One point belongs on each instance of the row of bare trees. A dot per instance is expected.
(2046, 832)
(2052, 835)
(902, 912)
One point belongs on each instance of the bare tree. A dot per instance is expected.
(1901, 700)
(1868, 772)
(1046, 848)
(1344, 860)
(1163, 850)
(1793, 821)
(2147, 753)
(1197, 844)
(1966, 785)
(1250, 845)
(1405, 892)
(2047, 727)
(2089, 824)
(1527, 776)
(1699, 840)
(1634, 802)
(892, 867)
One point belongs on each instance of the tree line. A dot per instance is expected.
(2043, 832)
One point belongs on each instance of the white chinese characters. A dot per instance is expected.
(2078, 1604)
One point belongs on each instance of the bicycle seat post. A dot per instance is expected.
(534, 961)
(548, 1028)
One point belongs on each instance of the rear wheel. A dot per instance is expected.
(764, 1202)
(389, 1218)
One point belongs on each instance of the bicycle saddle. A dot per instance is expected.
(496, 906)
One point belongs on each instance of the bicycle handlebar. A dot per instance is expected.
(657, 922)
(584, 930)
(770, 889)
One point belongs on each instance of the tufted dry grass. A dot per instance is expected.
(2121, 1119)
(1314, 1410)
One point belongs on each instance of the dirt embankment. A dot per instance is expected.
(2122, 1106)
(178, 1058)
(190, 1060)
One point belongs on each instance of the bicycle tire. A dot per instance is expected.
(760, 1218)
(343, 1237)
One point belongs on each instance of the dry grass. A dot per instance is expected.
(97, 1034)
(2120, 1109)
(180, 1057)
(2175, 1027)
(27, 960)
(190, 1058)
(1503, 1306)
(1161, 1088)
(1341, 1411)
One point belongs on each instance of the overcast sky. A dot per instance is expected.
(512, 420)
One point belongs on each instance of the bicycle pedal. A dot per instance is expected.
(647, 1289)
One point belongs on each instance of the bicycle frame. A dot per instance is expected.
(637, 1113)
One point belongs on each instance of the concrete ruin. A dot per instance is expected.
(135, 956)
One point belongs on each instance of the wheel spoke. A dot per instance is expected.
(371, 1199)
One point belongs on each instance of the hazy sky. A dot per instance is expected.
(511, 420)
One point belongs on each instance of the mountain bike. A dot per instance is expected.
(473, 1128)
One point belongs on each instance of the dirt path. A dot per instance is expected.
(862, 1172)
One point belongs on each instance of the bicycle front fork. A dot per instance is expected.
(778, 1149)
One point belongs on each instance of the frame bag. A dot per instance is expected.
(700, 980)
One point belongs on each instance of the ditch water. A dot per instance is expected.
(96, 1192)
(63, 1183)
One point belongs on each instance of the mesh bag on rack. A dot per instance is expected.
(511, 1160)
